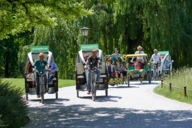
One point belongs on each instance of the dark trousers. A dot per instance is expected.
(37, 81)
(50, 77)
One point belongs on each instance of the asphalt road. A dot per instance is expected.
(136, 106)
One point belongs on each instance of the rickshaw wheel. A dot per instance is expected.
(42, 98)
(128, 82)
(149, 78)
(56, 94)
(77, 93)
(26, 96)
(106, 92)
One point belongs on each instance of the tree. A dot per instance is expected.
(17, 16)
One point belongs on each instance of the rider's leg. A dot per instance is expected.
(142, 72)
(45, 80)
(50, 77)
(98, 75)
(89, 82)
(37, 82)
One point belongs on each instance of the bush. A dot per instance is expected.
(13, 109)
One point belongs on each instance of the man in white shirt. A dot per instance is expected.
(139, 51)
(156, 58)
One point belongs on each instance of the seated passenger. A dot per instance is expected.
(109, 68)
(167, 63)
(29, 72)
(85, 67)
(139, 48)
(120, 70)
(52, 70)
(116, 56)
(138, 68)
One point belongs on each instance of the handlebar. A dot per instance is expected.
(41, 73)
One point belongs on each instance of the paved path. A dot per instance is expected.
(133, 107)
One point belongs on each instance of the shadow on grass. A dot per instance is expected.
(60, 116)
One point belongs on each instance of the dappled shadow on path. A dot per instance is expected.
(60, 116)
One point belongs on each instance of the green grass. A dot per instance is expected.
(19, 82)
(181, 77)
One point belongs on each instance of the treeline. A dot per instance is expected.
(162, 24)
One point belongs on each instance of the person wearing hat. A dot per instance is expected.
(92, 63)
(139, 51)
(40, 65)
(116, 56)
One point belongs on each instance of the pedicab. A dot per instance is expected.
(137, 75)
(32, 56)
(166, 63)
(86, 49)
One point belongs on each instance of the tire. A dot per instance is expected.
(149, 78)
(154, 75)
(128, 81)
(77, 93)
(56, 95)
(93, 91)
(42, 98)
(106, 92)
(26, 96)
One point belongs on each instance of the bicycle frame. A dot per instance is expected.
(93, 83)
(154, 69)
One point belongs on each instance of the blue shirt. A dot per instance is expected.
(53, 67)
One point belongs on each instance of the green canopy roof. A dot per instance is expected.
(163, 52)
(89, 47)
(39, 48)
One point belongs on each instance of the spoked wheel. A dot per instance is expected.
(128, 81)
(106, 92)
(149, 78)
(56, 95)
(42, 98)
(77, 93)
(26, 96)
(93, 92)
(154, 75)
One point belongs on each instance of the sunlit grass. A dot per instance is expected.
(181, 78)
(18, 82)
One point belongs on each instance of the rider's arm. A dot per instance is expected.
(150, 59)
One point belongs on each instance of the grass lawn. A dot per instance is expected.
(181, 77)
(19, 82)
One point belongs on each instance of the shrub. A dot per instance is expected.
(13, 109)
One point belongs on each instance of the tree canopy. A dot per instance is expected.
(160, 24)
(21, 15)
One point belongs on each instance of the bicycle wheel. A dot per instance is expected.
(42, 98)
(154, 74)
(93, 88)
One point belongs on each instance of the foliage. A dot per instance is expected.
(180, 79)
(162, 24)
(13, 109)
(20, 15)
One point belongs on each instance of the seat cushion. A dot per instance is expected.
(80, 76)
(103, 75)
